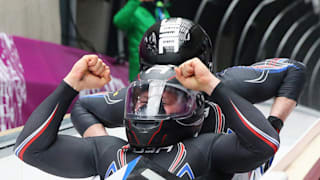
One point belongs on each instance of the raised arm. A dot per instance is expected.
(281, 78)
(40, 146)
(254, 140)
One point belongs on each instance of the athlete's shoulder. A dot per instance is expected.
(279, 62)
(116, 96)
(111, 97)
(202, 141)
(107, 142)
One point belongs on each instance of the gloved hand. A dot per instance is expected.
(277, 124)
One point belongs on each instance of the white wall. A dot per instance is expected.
(36, 19)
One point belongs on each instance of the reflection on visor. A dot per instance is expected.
(157, 99)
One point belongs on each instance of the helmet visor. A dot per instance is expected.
(158, 100)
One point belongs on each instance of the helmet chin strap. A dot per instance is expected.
(196, 123)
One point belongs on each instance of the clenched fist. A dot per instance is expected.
(89, 72)
(193, 74)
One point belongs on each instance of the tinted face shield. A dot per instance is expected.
(158, 100)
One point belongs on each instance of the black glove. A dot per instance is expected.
(276, 123)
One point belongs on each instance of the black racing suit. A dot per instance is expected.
(278, 77)
(208, 156)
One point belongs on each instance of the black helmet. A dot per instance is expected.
(173, 41)
(159, 111)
